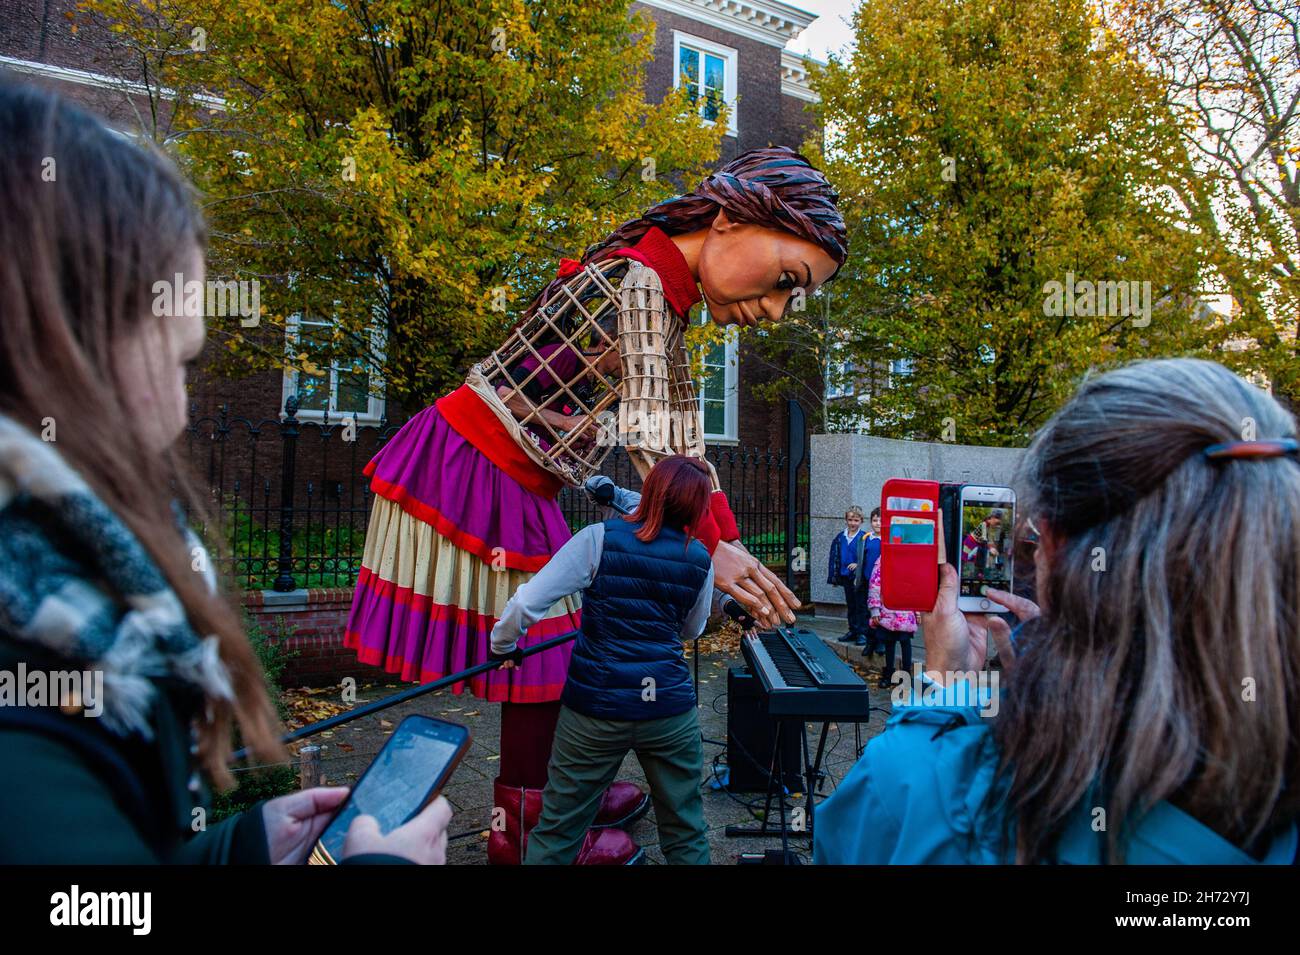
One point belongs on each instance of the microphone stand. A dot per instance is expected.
(411, 694)
(423, 689)
(417, 691)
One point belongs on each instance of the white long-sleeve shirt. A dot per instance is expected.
(572, 569)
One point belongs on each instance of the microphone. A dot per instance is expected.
(732, 608)
(601, 490)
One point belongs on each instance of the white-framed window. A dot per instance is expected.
(709, 72)
(343, 389)
(841, 380)
(718, 387)
(899, 368)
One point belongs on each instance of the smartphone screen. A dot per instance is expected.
(988, 517)
(406, 774)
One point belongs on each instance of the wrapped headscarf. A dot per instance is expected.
(774, 187)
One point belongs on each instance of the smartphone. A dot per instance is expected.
(984, 557)
(406, 775)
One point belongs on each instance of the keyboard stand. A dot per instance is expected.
(775, 784)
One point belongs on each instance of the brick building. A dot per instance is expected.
(729, 50)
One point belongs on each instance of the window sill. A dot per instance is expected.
(732, 131)
(318, 417)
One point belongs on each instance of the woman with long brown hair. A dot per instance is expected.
(466, 505)
(1149, 709)
(102, 584)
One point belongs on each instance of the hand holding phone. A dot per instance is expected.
(405, 777)
(987, 514)
(957, 642)
(423, 840)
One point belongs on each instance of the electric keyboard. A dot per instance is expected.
(802, 678)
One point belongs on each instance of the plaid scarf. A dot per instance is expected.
(75, 581)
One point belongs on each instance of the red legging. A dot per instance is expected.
(527, 730)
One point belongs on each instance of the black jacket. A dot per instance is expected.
(73, 792)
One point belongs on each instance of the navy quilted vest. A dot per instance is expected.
(627, 663)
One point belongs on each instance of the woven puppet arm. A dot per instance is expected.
(651, 391)
(688, 428)
(644, 419)
(687, 424)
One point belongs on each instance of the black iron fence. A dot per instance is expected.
(292, 501)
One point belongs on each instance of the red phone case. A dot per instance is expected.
(909, 573)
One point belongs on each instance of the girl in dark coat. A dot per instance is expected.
(105, 597)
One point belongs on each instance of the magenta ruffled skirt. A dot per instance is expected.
(452, 536)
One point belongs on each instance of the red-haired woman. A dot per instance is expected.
(646, 584)
(465, 508)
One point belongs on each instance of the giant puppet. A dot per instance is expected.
(466, 502)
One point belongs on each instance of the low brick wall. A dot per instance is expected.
(316, 617)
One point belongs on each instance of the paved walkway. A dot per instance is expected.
(347, 751)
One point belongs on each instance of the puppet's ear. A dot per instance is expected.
(723, 222)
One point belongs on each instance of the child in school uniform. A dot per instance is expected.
(889, 627)
(846, 571)
(871, 642)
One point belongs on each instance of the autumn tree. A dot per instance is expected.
(1231, 73)
(1003, 170)
(406, 171)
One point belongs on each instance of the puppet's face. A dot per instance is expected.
(749, 273)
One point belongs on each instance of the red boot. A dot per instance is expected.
(523, 807)
(622, 805)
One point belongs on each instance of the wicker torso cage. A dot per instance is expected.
(566, 404)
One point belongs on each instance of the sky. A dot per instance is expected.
(829, 33)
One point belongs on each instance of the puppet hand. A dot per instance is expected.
(739, 574)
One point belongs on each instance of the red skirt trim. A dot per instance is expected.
(478, 686)
(474, 421)
(468, 542)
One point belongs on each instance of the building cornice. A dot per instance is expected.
(768, 21)
(794, 76)
(67, 74)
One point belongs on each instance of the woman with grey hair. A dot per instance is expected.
(1148, 710)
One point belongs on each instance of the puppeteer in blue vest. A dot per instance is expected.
(646, 585)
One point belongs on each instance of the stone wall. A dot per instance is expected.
(852, 468)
